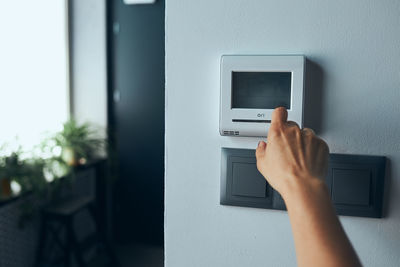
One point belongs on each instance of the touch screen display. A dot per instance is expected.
(261, 90)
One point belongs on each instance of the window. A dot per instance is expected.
(33, 69)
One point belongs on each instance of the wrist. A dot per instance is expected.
(296, 189)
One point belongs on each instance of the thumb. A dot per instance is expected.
(260, 151)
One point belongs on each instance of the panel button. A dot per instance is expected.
(357, 184)
(247, 180)
(351, 187)
(241, 183)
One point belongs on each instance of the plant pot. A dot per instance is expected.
(69, 156)
(5, 188)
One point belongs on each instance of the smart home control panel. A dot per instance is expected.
(253, 86)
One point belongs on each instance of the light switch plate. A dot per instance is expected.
(246, 180)
(356, 183)
(242, 184)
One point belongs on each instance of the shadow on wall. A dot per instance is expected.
(387, 188)
(314, 112)
(313, 99)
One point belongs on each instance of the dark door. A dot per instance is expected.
(136, 68)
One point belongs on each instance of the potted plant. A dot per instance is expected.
(34, 174)
(5, 188)
(27, 173)
(78, 142)
(10, 168)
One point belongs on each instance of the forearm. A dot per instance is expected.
(318, 235)
(291, 162)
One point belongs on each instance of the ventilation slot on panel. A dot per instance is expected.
(231, 132)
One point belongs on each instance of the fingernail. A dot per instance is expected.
(259, 144)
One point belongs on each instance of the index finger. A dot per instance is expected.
(279, 116)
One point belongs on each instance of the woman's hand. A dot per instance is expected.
(292, 156)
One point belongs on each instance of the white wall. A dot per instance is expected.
(354, 89)
(88, 52)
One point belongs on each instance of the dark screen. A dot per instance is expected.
(261, 90)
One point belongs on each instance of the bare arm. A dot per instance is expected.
(294, 163)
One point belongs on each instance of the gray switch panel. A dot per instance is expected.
(355, 182)
(242, 184)
(246, 180)
(351, 187)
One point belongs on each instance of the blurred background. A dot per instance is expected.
(82, 142)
